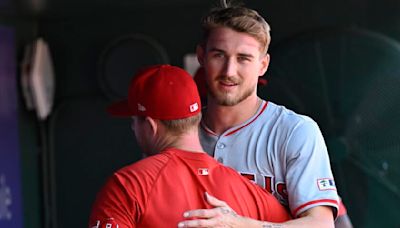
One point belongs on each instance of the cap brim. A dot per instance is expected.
(120, 109)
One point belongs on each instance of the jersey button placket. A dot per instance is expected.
(219, 151)
(220, 146)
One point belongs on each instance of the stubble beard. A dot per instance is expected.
(226, 99)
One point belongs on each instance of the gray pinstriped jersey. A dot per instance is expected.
(281, 151)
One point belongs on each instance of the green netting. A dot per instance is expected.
(348, 80)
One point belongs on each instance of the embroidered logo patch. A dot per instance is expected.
(202, 171)
(194, 107)
(326, 184)
(141, 108)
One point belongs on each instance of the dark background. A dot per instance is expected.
(353, 44)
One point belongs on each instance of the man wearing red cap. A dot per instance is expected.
(177, 175)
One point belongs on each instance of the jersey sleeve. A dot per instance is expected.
(114, 207)
(309, 177)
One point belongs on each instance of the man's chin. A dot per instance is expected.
(227, 101)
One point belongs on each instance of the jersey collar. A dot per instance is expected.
(235, 129)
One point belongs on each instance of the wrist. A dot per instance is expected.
(248, 222)
(271, 225)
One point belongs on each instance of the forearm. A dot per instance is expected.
(318, 217)
(223, 216)
(305, 222)
(252, 223)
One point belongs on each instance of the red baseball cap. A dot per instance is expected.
(162, 92)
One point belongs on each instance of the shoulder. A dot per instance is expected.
(146, 168)
(287, 119)
(296, 130)
(123, 198)
(133, 182)
(285, 113)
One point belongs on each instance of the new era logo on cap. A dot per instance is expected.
(141, 107)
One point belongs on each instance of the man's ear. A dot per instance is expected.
(153, 125)
(200, 52)
(264, 64)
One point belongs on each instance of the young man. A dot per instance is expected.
(165, 108)
(280, 150)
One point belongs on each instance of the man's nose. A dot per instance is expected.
(230, 67)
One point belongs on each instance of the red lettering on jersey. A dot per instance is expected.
(249, 176)
(268, 184)
(281, 189)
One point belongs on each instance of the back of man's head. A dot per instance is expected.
(162, 92)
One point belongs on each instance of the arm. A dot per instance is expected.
(223, 216)
(319, 216)
(343, 221)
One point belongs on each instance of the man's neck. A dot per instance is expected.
(220, 118)
(188, 142)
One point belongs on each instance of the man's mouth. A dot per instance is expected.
(228, 83)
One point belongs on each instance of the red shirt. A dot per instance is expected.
(156, 191)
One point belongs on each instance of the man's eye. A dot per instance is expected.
(218, 55)
(242, 59)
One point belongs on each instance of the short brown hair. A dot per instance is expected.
(180, 126)
(240, 19)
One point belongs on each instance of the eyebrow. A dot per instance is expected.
(246, 55)
(240, 54)
(216, 50)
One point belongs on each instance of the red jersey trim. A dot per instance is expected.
(236, 130)
(314, 202)
(208, 131)
(342, 208)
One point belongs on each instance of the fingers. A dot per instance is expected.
(209, 217)
(197, 223)
(214, 201)
(202, 213)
